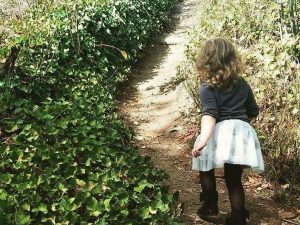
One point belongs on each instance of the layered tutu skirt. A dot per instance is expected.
(233, 141)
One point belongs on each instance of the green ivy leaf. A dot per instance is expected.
(3, 194)
(94, 207)
(27, 127)
(142, 185)
(107, 204)
(41, 208)
(26, 207)
(6, 178)
(22, 219)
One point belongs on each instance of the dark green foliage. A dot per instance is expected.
(65, 156)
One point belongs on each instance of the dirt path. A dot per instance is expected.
(155, 108)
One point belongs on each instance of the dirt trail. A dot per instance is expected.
(154, 106)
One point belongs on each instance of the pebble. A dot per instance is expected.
(140, 138)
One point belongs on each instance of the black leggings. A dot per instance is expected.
(233, 180)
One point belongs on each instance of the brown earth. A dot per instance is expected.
(162, 115)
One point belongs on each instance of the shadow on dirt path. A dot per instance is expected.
(154, 105)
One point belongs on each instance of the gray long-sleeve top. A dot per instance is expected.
(238, 103)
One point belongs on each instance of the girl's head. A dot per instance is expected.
(218, 64)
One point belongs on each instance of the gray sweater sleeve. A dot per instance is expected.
(208, 101)
(252, 108)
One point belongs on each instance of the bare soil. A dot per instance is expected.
(162, 116)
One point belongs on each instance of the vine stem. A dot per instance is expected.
(110, 46)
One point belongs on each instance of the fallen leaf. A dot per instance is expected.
(266, 185)
(140, 138)
(285, 186)
(223, 212)
(247, 183)
(189, 190)
(197, 219)
(222, 191)
(286, 214)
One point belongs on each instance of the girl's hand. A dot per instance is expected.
(196, 153)
(197, 150)
(207, 127)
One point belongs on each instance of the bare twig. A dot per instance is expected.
(290, 221)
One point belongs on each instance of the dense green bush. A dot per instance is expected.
(270, 45)
(65, 156)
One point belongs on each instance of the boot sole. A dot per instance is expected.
(212, 218)
(209, 215)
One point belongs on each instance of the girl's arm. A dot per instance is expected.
(207, 127)
(252, 109)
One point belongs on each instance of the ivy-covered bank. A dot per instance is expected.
(65, 156)
(267, 34)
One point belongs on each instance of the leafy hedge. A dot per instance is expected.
(65, 156)
(267, 34)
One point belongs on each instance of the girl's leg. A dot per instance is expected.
(233, 180)
(208, 181)
(209, 194)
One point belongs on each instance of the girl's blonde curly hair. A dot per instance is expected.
(218, 64)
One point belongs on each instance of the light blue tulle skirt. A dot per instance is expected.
(233, 141)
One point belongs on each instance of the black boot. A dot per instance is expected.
(210, 204)
(238, 218)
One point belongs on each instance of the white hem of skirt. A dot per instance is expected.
(233, 141)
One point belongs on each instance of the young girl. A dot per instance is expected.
(227, 139)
